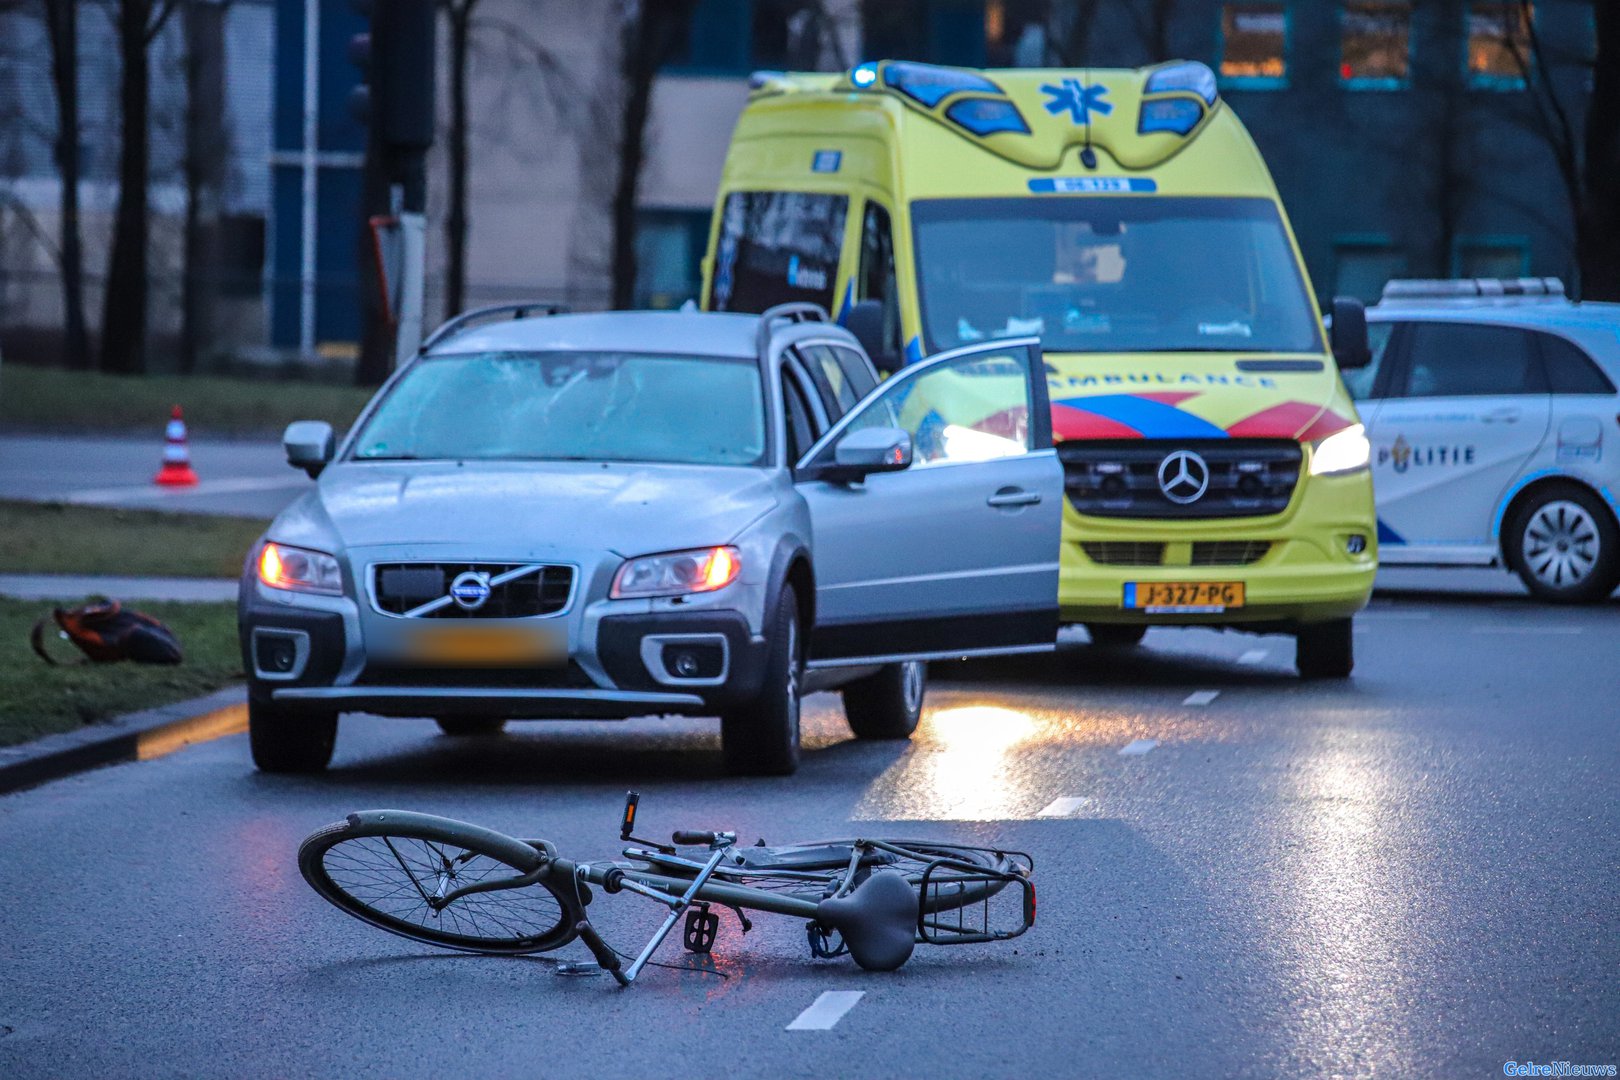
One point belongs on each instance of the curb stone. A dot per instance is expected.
(132, 737)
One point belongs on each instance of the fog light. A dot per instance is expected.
(686, 665)
(279, 653)
(1355, 543)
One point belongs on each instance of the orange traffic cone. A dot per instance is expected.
(176, 470)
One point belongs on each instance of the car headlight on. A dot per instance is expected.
(677, 573)
(300, 570)
(1344, 451)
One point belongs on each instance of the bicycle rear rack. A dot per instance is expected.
(973, 922)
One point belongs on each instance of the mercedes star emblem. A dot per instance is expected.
(1183, 477)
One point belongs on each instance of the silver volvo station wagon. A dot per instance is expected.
(630, 514)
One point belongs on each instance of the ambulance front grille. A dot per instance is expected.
(1120, 478)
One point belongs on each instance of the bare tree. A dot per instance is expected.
(123, 333)
(1599, 232)
(459, 14)
(203, 170)
(62, 24)
(651, 34)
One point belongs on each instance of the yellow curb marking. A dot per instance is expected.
(231, 720)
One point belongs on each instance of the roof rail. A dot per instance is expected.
(517, 309)
(788, 313)
(1544, 288)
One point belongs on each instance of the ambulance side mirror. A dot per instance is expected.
(309, 445)
(1348, 334)
(865, 321)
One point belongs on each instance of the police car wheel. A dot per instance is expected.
(1565, 546)
(762, 738)
(1325, 650)
(1115, 635)
(290, 742)
(471, 725)
(888, 703)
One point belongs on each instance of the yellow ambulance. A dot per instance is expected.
(1216, 471)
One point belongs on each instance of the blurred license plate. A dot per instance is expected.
(1183, 597)
(492, 646)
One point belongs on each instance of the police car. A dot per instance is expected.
(1495, 430)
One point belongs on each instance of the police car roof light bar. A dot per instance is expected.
(1473, 288)
(520, 309)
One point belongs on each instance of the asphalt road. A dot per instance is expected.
(1413, 873)
(246, 478)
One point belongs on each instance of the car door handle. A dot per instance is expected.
(1011, 496)
(1505, 415)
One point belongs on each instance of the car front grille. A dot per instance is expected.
(1120, 478)
(1123, 552)
(1229, 552)
(516, 590)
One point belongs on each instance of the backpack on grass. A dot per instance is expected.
(107, 633)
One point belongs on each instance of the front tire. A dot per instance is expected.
(887, 704)
(471, 725)
(1116, 635)
(1564, 546)
(283, 741)
(762, 737)
(1325, 650)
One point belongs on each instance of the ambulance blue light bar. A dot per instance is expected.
(1187, 75)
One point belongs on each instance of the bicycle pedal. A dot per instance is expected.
(701, 928)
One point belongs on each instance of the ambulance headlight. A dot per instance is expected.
(1342, 452)
(1189, 75)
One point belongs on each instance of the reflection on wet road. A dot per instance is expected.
(1411, 873)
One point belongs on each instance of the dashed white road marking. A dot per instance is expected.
(1555, 630)
(1140, 746)
(1066, 806)
(826, 1010)
(1201, 697)
(1253, 656)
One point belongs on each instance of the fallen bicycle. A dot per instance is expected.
(460, 886)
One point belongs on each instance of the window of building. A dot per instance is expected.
(1491, 257)
(1374, 45)
(776, 247)
(1362, 266)
(736, 37)
(669, 251)
(1254, 45)
(1499, 44)
(933, 31)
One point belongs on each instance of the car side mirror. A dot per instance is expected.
(865, 321)
(1348, 334)
(309, 445)
(867, 451)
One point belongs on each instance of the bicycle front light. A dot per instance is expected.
(677, 573)
(300, 570)
(1342, 452)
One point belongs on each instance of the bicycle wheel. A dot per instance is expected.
(385, 874)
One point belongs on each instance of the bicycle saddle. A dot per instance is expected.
(878, 921)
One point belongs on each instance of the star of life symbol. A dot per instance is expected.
(1077, 100)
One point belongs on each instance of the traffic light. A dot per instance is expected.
(396, 59)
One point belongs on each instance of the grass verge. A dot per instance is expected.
(87, 401)
(53, 538)
(38, 700)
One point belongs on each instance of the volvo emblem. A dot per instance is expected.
(1183, 477)
(469, 590)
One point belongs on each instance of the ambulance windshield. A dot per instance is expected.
(1115, 274)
